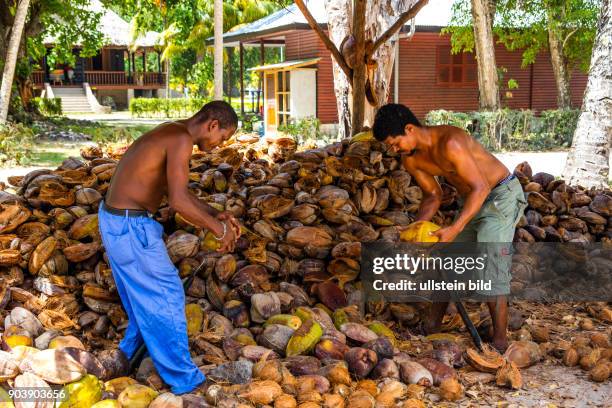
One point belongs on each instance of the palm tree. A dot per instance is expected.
(588, 160)
(235, 14)
(11, 58)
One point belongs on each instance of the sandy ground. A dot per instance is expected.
(550, 386)
(549, 162)
(544, 386)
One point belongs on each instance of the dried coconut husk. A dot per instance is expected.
(361, 399)
(413, 403)
(600, 372)
(333, 401)
(285, 401)
(489, 361)
(9, 366)
(261, 392)
(450, 389)
(509, 376)
(438, 370)
(56, 366)
(391, 393)
(590, 359)
(523, 353)
(414, 373)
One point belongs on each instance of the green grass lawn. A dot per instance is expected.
(53, 153)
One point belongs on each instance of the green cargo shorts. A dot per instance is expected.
(495, 224)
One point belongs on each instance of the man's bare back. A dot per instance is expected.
(140, 180)
(439, 161)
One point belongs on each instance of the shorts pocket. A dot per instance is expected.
(112, 226)
(521, 205)
(119, 249)
(148, 234)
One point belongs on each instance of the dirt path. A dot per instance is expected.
(545, 386)
(549, 162)
(551, 385)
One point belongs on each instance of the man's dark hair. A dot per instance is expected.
(219, 110)
(391, 119)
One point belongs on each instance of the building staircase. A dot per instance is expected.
(73, 99)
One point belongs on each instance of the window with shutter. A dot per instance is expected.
(455, 69)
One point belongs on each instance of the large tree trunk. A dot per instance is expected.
(482, 17)
(11, 59)
(380, 16)
(359, 70)
(218, 49)
(559, 65)
(588, 160)
(339, 14)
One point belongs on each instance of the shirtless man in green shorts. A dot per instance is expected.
(493, 200)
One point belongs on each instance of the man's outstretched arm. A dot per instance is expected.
(186, 203)
(432, 192)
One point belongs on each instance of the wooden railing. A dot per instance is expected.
(106, 78)
(112, 78)
(151, 78)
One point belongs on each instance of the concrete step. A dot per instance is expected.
(58, 94)
(82, 103)
(73, 99)
(68, 90)
(74, 104)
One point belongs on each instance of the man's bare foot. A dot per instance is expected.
(500, 345)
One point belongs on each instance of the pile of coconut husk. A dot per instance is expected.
(281, 321)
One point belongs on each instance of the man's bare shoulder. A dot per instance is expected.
(452, 139)
(172, 132)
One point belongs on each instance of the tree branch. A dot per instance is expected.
(567, 37)
(403, 18)
(326, 40)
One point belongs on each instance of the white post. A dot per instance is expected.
(218, 50)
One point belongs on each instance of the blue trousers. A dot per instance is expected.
(152, 296)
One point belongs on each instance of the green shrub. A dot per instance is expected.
(303, 130)
(105, 136)
(48, 106)
(16, 141)
(248, 119)
(508, 129)
(110, 102)
(165, 108)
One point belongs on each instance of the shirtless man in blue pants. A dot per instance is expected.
(154, 166)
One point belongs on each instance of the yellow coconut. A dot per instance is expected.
(420, 231)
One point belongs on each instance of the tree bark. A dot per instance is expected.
(359, 70)
(11, 59)
(559, 65)
(488, 86)
(339, 14)
(588, 160)
(380, 17)
(218, 49)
